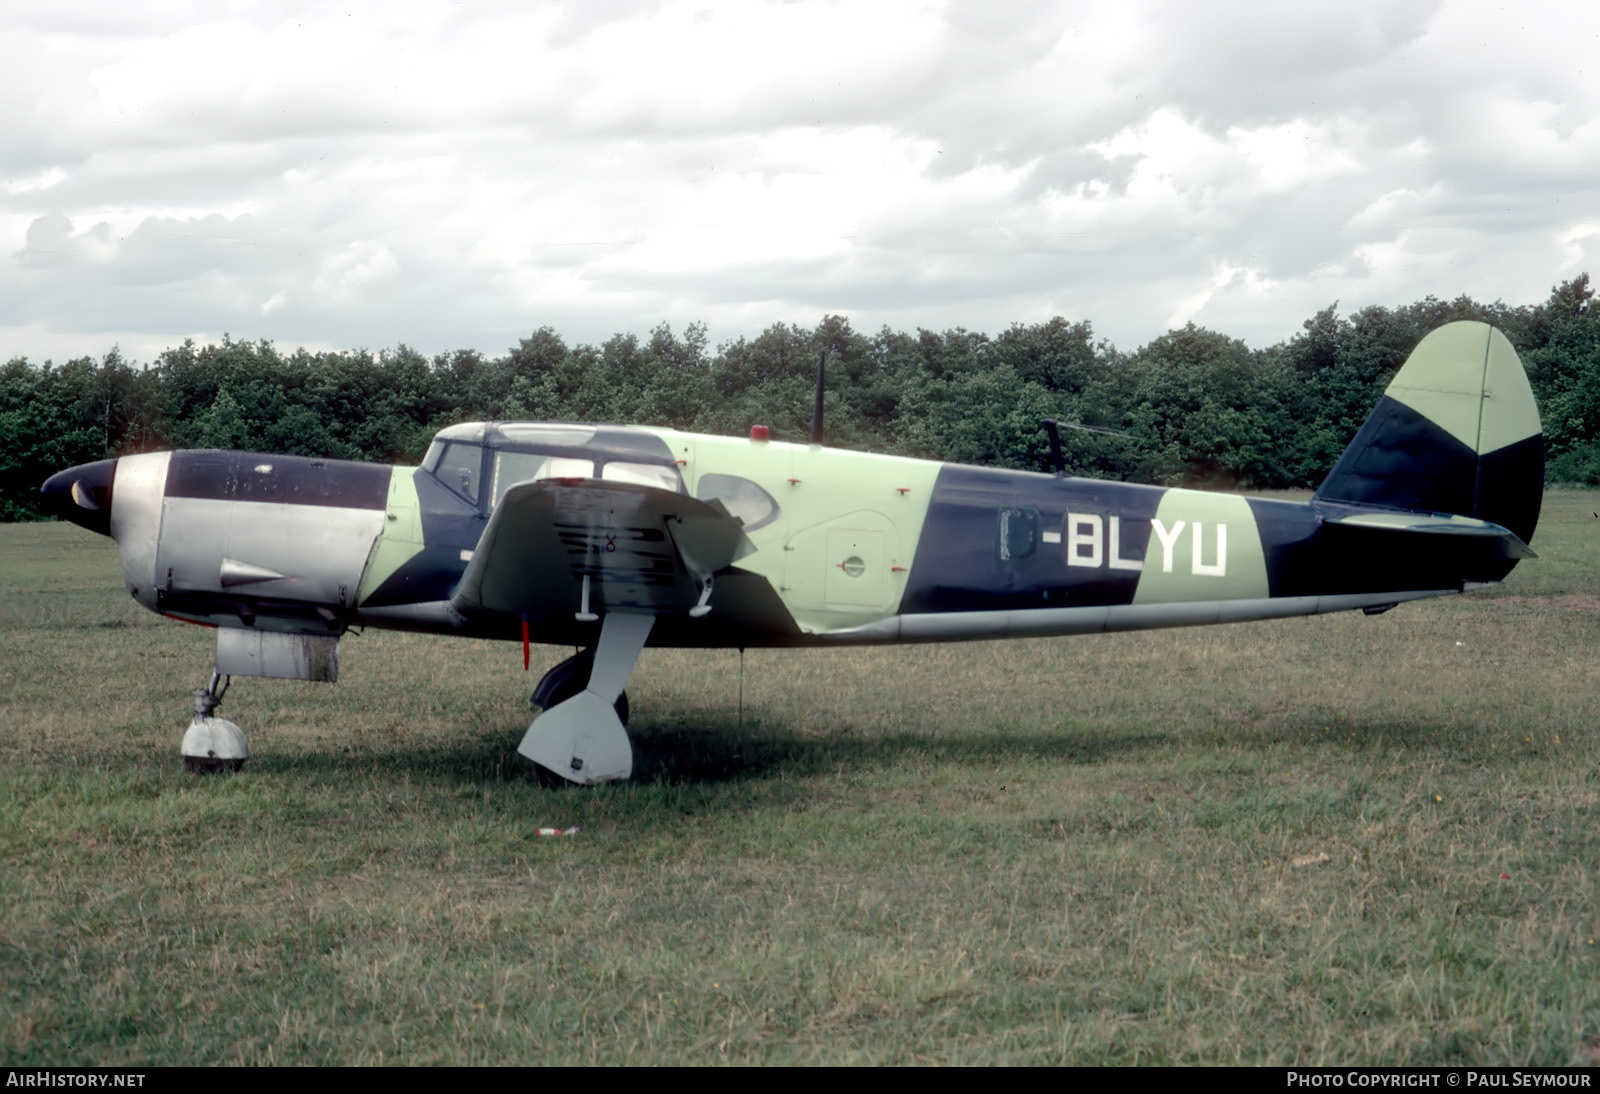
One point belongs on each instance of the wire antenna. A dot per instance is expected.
(1053, 427)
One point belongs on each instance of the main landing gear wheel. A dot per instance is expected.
(580, 738)
(567, 679)
(213, 745)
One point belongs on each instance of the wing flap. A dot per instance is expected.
(642, 548)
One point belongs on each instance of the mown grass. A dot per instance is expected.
(1078, 850)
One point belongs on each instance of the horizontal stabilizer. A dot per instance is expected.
(1437, 524)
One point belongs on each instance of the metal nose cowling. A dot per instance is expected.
(82, 494)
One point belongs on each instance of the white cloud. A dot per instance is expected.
(450, 176)
(352, 275)
(1240, 282)
(1290, 155)
(1580, 248)
(42, 180)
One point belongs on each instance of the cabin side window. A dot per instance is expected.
(566, 467)
(511, 468)
(1019, 533)
(642, 474)
(457, 466)
(742, 498)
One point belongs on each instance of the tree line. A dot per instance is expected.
(1199, 408)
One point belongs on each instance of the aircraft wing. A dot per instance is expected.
(638, 549)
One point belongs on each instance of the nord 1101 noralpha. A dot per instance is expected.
(610, 538)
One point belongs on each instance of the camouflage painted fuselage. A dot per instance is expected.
(859, 548)
(843, 547)
(613, 538)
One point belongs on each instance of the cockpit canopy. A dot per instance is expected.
(480, 461)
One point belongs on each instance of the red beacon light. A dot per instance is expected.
(758, 433)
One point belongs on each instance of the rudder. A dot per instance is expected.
(1457, 431)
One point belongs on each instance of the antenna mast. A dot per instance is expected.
(816, 407)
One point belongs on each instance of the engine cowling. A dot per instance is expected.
(234, 538)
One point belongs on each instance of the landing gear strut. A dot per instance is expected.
(566, 679)
(580, 736)
(213, 744)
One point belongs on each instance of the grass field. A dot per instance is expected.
(1338, 840)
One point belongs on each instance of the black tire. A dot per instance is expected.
(210, 765)
(576, 683)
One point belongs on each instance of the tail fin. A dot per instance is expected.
(1456, 432)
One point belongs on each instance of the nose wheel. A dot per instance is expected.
(211, 744)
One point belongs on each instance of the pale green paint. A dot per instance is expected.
(1510, 413)
(860, 576)
(818, 571)
(1418, 520)
(849, 504)
(1245, 570)
(401, 537)
(1466, 379)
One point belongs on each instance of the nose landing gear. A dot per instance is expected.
(213, 744)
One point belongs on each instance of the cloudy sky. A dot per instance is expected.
(455, 175)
